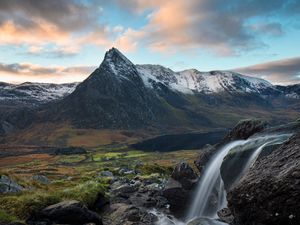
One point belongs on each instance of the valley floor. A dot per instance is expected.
(47, 179)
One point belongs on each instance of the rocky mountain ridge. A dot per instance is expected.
(122, 95)
(34, 93)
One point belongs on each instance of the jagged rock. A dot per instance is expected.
(270, 192)
(70, 212)
(7, 185)
(185, 175)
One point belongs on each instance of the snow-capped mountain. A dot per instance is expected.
(122, 95)
(192, 81)
(34, 93)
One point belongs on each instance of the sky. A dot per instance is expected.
(63, 41)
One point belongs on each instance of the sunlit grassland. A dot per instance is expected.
(77, 176)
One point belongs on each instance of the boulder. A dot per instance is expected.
(178, 198)
(70, 212)
(106, 174)
(269, 193)
(244, 129)
(185, 175)
(41, 178)
(7, 185)
(124, 214)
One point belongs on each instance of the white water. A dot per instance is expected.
(204, 207)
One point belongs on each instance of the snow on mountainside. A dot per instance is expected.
(34, 93)
(190, 81)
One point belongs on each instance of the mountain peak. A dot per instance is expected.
(114, 55)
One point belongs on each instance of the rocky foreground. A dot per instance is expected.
(268, 194)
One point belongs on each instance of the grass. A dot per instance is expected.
(75, 177)
(28, 203)
(64, 134)
(7, 218)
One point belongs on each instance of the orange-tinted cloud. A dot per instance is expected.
(29, 72)
(284, 71)
(210, 25)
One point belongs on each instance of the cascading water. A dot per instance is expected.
(210, 196)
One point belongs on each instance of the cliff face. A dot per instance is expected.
(270, 192)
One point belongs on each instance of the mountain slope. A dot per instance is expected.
(121, 95)
(192, 81)
(112, 96)
(33, 94)
(151, 98)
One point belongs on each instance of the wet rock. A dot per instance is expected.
(225, 215)
(7, 185)
(177, 197)
(269, 194)
(41, 178)
(205, 221)
(203, 157)
(121, 214)
(244, 129)
(70, 212)
(185, 175)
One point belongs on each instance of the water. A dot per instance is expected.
(210, 196)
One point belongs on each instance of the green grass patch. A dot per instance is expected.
(148, 169)
(7, 218)
(28, 203)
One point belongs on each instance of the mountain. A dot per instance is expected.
(120, 95)
(192, 81)
(114, 96)
(33, 93)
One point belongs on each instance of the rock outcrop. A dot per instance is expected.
(7, 185)
(185, 175)
(179, 188)
(66, 212)
(270, 192)
(243, 130)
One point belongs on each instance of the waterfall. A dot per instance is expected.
(210, 194)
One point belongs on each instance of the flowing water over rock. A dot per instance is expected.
(210, 195)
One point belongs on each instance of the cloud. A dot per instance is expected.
(68, 15)
(284, 71)
(273, 29)
(61, 23)
(211, 25)
(30, 72)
